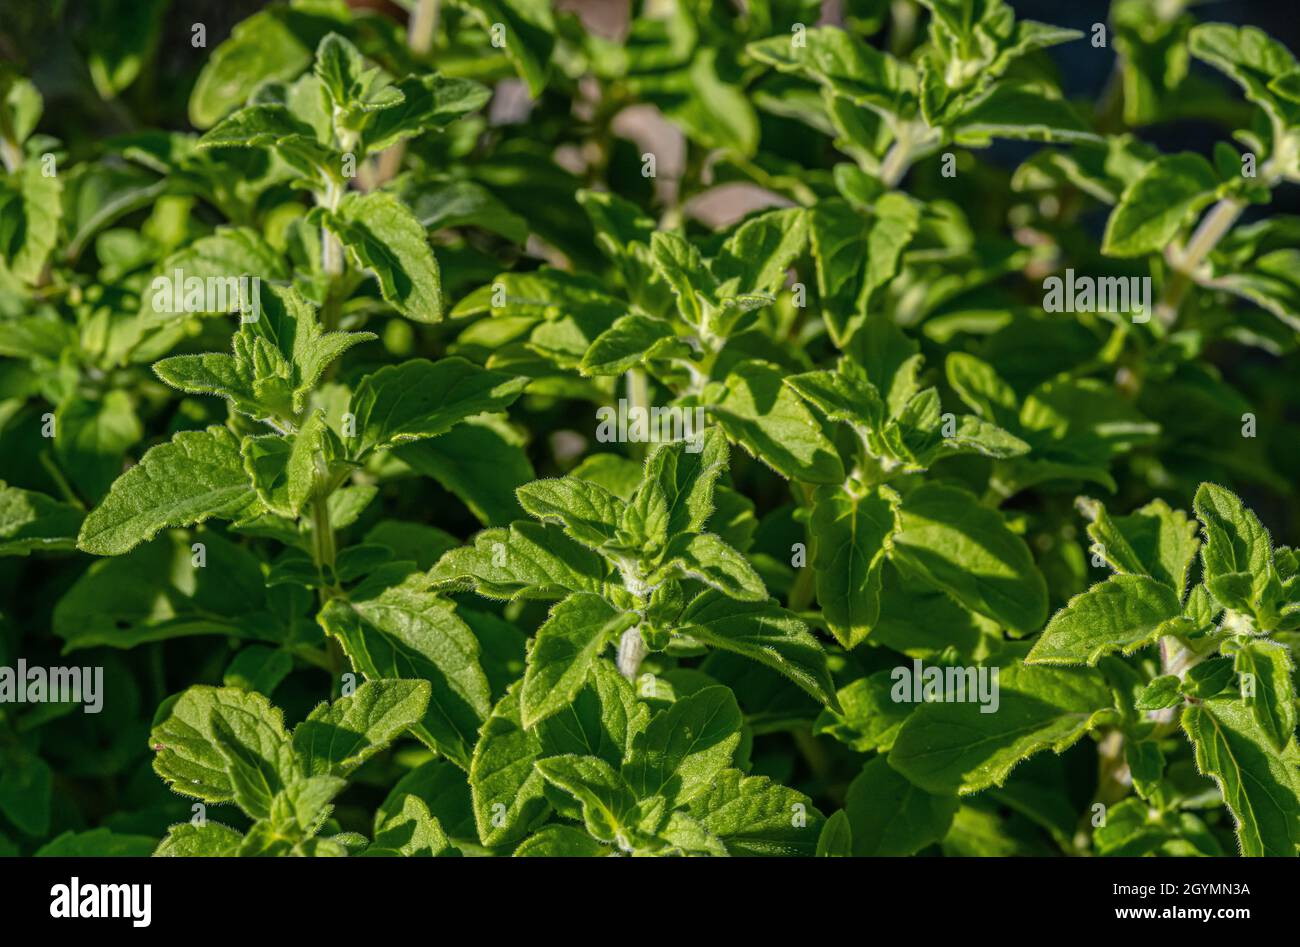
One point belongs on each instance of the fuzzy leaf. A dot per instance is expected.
(1259, 786)
(391, 628)
(682, 751)
(195, 476)
(955, 747)
(418, 399)
(1123, 613)
(947, 537)
(568, 643)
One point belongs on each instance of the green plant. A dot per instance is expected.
(425, 395)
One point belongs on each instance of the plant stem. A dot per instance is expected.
(1211, 230)
(331, 250)
(420, 28)
(322, 532)
(638, 396)
(10, 154)
(897, 160)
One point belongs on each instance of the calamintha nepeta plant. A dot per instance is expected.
(677, 437)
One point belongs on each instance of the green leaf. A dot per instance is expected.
(459, 204)
(1154, 208)
(528, 560)
(757, 410)
(977, 436)
(979, 385)
(602, 720)
(1124, 613)
(31, 521)
(350, 86)
(304, 804)
(706, 558)
(889, 816)
(680, 265)
(964, 548)
(482, 461)
(337, 738)
(852, 535)
(386, 239)
(1259, 787)
(26, 787)
(684, 749)
(93, 438)
(758, 255)
(869, 718)
(1023, 111)
(275, 126)
(956, 747)
(1251, 59)
(188, 757)
(716, 113)
(836, 840)
(588, 512)
(763, 632)
(410, 831)
(429, 101)
(418, 399)
(1235, 540)
(34, 228)
(391, 627)
(221, 260)
(687, 477)
(1160, 693)
(624, 344)
(277, 359)
(842, 395)
(164, 590)
(258, 668)
(560, 841)
(195, 476)
(266, 459)
(1268, 690)
(97, 843)
(844, 64)
(250, 739)
(506, 788)
(752, 815)
(528, 36)
(567, 645)
(276, 43)
(609, 809)
(1153, 540)
(210, 840)
(125, 34)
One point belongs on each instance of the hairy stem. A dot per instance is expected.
(638, 396)
(10, 154)
(322, 532)
(897, 160)
(1211, 230)
(331, 250)
(419, 38)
